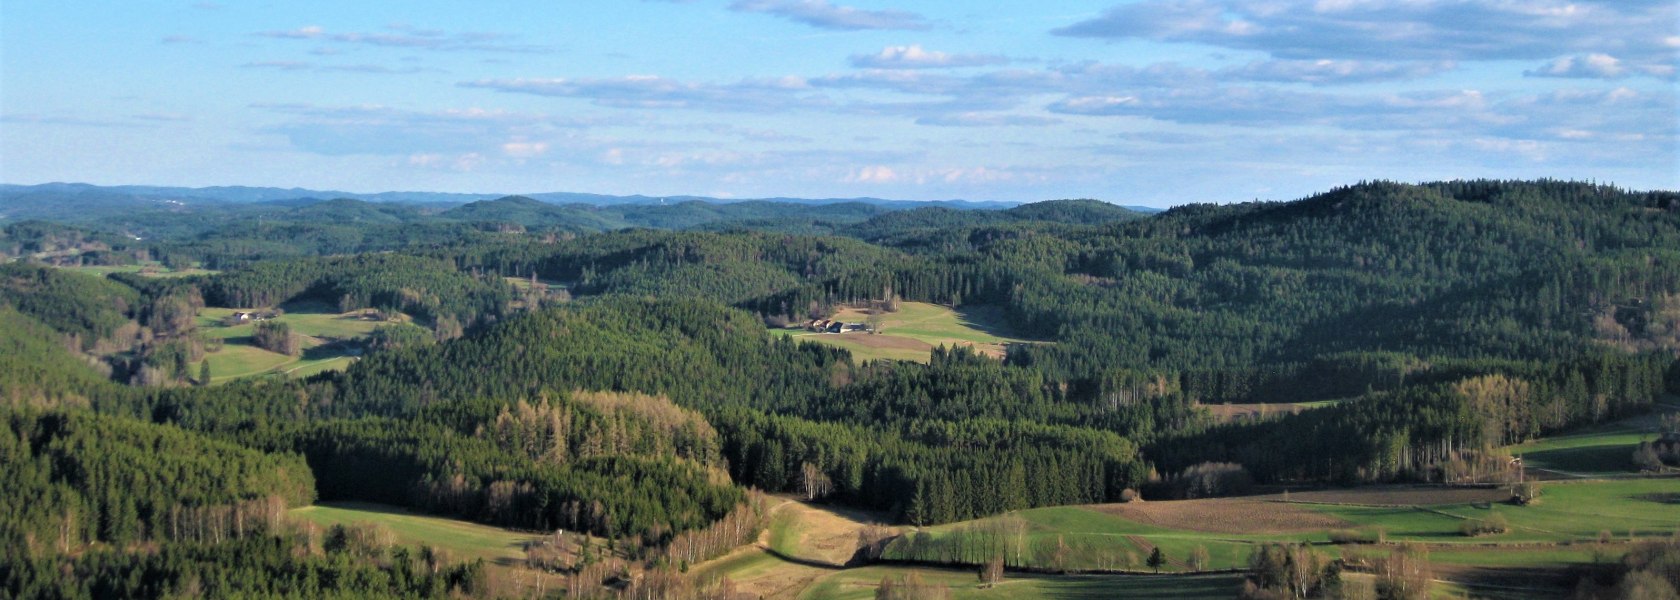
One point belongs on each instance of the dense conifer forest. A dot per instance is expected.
(615, 372)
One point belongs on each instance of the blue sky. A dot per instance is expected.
(1154, 102)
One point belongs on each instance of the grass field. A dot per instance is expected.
(820, 534)
(860, 584)
(1545, 539)
(1561, 529)
(1227, 413)
(147, 269)
(826, 535)
(317, 323)
(462, 539)
(238, 359)
(1605, 450)
(916, 329)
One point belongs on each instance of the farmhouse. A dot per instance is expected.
(243, 316)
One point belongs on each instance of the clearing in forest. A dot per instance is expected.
(147, 269)
(1227, 413)
(916, 329)
(462, 539)
(1603, 450)
(325, 335)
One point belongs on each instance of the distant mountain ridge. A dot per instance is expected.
(160, 213)
(249, 195)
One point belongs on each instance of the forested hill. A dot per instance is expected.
(633, 384)
(178, 221)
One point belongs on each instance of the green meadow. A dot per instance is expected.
(911, 333)
(318, 325)
(463, 539)
(861, 583)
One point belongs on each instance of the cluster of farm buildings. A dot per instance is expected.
(833, 326)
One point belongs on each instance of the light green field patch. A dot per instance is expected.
(860, 351)
(916, 328)
(306, 368)
(784, 533)
(1403, 523)
(238, 358)
(524, 284)
(146, 269)
(464, 540)
(1560, 556)
(860, 584)
(1580, 510)
(341, 326)
(1603, 450)
(748, 564)
(1096, 540)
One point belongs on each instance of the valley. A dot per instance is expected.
(1331, 395)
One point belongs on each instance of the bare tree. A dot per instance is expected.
(992, 572)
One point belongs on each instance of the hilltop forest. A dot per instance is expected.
(617, 371)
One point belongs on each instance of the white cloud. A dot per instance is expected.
(1326, 71)
(646, 91)
(524, 149)
(1593, 66)
(1396, 29)
(975, 119)
(1601, 66)
(406, 37)
(873, 174)
(914, 57)
(824, 15)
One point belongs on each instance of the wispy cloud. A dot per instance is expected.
(1334, 72)
(974, 119)
(824, 15)
(1395, 29)
(163, 117)
(914, 57)
(382, 130)
(402, 36)
(370, 69)
(646, 91)
(1568, 115)
(1599, 66)
(40, 119)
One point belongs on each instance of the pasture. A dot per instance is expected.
(916, 329)
(148, 269)
(861, 583)
(1602, 451)
(1559, 532)
(462, 539)
(1563, 529)
(824, 535)
(322, 329)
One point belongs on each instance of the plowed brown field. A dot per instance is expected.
(1225, 515)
